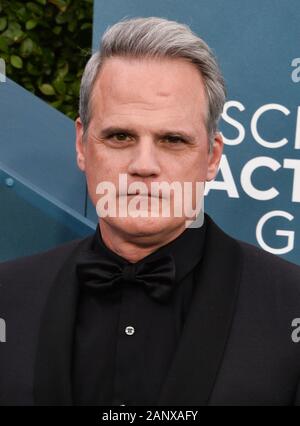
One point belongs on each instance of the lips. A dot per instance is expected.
(144, 195)
(141, 195)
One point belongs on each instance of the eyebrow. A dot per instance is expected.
(107, 131)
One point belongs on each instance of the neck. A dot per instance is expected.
(134, 248)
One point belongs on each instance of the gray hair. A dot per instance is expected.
(155, 38)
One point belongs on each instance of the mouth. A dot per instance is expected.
(138, 194)
(143, 195)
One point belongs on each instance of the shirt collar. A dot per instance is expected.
(187, 250)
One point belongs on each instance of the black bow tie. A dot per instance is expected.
(156, 275)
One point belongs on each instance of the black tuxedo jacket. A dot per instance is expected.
(236, 347)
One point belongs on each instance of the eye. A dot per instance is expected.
(173, 139)
(119, 137)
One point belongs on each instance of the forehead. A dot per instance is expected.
(174, 86)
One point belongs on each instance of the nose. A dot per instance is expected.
(144, 160)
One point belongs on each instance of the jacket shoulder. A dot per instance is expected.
(259, 267)
(269, 263)
(271, 281)
(38, 265)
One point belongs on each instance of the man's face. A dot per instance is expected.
(147, 121)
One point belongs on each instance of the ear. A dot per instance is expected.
(80, 145)
(214, 157)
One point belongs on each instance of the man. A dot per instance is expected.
(148, 310)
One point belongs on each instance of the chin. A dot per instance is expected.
(144, 226)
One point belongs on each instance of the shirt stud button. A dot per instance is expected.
(129, 330)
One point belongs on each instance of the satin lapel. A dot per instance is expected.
(199, 354)
(52, 382)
